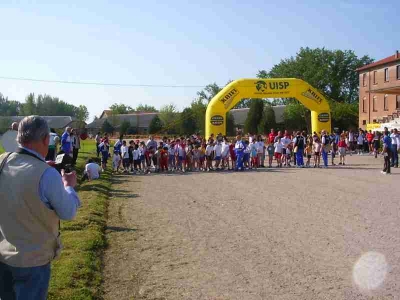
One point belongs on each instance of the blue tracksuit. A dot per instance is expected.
(239, 150)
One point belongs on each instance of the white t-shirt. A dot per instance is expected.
(260, 147)
(93, 170)
(124, 152)
(225, 149)
(171, 151)
(278, 147)
(136, 154)
(52, 141)
(218, 149)
(209, 150)
(180, 150)
(285, 142)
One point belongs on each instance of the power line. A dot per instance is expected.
(102, 83)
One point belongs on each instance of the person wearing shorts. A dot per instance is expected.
(278, 147)
(317, 153)
(342, 150)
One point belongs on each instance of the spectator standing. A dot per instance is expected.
(387, 152)
(76, 145)
(66, 143)
(395, 140)
(98, 141)
(30, 216)
(51, 154)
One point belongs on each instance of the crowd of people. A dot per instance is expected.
(277, 149)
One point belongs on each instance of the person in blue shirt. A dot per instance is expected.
(239, 151)
(66, 142)
(387, 152)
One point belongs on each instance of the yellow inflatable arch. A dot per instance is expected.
(237, 90)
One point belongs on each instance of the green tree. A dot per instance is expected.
(9, 108)
(168, 116)
(230, 125)
(145, 108)
(297, 117)
(107, 127)
(209, 92)
(187, 121)
(82, 113)
(123, 128)
(268, 120)
(5, 124)
(29, 107)
(254, 116)
(333, 72)
(344, 115)
(199, 108)
(120, 109)
(156, 125)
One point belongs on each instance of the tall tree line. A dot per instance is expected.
(44, 105)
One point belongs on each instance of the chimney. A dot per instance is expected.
(397, 54)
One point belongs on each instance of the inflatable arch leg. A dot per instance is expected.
(230, 95)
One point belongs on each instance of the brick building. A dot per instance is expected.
(379, 93)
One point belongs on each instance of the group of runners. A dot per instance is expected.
(277, 149)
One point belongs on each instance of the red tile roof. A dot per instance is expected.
(389, 59)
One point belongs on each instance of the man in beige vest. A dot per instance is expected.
(33, 199)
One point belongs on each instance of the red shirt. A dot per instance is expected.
(271, 137)
(342, 144)
(370, 137)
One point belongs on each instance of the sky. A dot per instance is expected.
(173, 43)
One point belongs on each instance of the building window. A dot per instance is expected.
(374, 99)
(364, 79)
(386, 74)
(398, 102)
(398, 72)
(363, 104)
(385, 103)
(375, 79)
(364, 122)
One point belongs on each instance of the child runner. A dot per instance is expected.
(103, 149)
(142, 151)
(225, 154)
(164, 159)
(136, 158)
(217, 154)
(196, 157)
(253, 154)
(270, 150)
(209, 156)
(131, 148)
(125, 157)
(157, 161)
(148, 157)
(232, 154)
(317, 153)
(278, 147)
(246, 155)
(342, 150)
(116, 160)
(202, 157)
(307, 152)
(171, 157)
(334, 149)
(189, 158)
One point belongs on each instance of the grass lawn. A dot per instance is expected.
(78, 274)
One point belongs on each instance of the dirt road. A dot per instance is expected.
(271, 234)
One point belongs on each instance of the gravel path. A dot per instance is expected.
(271, 234)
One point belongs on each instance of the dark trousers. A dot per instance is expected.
(97, 149)
(386, 165)
(395, 156)
(51, 154)
(74, 155)
(24, 283)
(299, 157)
